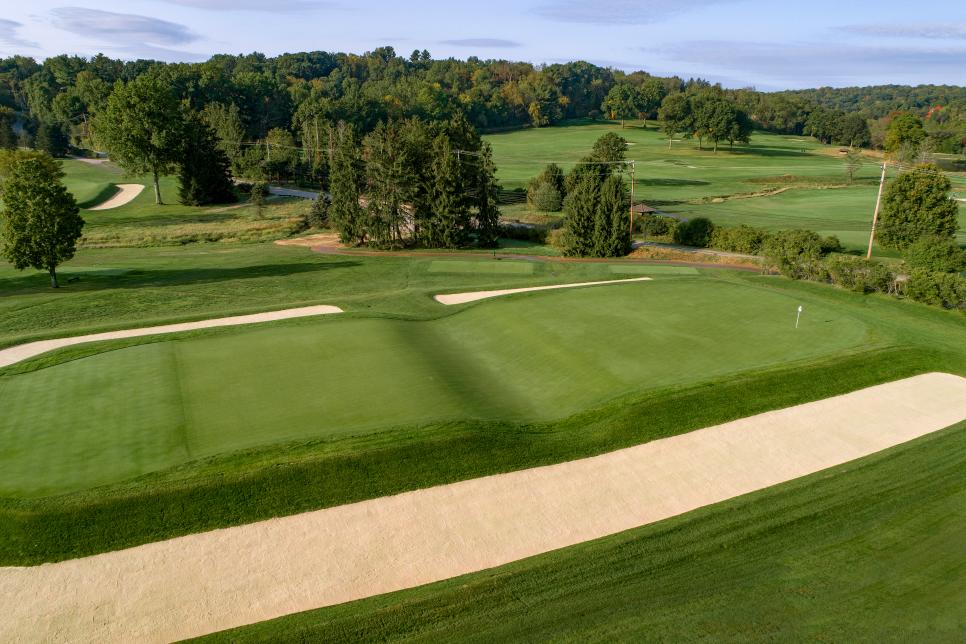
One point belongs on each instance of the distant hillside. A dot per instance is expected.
(878, 101)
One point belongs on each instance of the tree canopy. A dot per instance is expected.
(917, 204)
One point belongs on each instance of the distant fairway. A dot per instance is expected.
(676, 180)
(488, 268)
(122, 413)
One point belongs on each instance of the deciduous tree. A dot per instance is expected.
(39, 219)
(917, 204)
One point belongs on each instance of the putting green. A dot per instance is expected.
(115, 415)
(501, 267)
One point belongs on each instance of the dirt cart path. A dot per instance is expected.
(216, 580)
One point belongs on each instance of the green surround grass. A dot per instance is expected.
(532, 358)
(502, 267)
(670, 179)
(869, 551)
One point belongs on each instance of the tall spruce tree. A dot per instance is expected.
(204, 168)
(487, 190)
(611, 220)
(449, 223)
(582, 214)
(391, 182)
(346, 186)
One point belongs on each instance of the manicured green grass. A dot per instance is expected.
(684, 180)
(495, 268)
(529, 362)
(91, 184)
(869, 551)
(529, 358)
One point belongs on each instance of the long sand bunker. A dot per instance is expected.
(463, 298)
(127, 192)
(216, 580)
(29, 350)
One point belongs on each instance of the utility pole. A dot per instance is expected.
(875, 215)
(633, 173)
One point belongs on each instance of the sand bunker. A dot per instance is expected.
(31, 349)
(216, 580)
(463, 298)
(126, 193)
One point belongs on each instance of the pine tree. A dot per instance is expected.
(347, 180)
(487, 189)
(391, 182)
(204, 168)
(581, 215)
(612, 221)
(449, 222)
(52, 140)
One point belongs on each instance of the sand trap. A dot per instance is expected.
(463, 298)
(31, 349)
(127, 192)
(216, 580)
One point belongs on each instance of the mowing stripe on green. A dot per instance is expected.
(497, 267)
(647, 269)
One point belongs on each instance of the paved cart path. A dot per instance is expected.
(20, 352)
(216, 580)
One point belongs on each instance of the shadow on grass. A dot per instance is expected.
(670, 183)
(39, 282)
(106, 193)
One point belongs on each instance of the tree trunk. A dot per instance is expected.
(669, 143)
(53, 277)
(716, 146)
(157, 189)
(622, 122)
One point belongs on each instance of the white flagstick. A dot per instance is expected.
(799, 316)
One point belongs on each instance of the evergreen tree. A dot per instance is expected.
(204, 168)
(612, 236)
(487, 189)
(39, 220)
(346, 186)
(52, 140)
(581, 210)
(449, 224)
(8, 140)
(391, 183)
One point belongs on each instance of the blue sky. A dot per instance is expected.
(766, 44)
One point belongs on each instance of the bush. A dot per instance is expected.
(937, 254)
(832, 244)
(740, 239)
(859, 274)
(546, 198)
(795, 253)
(522, 232)
(318, 216)
(941, 289)
(559, 238)
(695, 232)
(655, 225)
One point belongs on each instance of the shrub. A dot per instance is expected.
(740, 239)
(695, 232)
(559, 238)
(935, 253)
(831, 244)
(318, 216)
(941, 289)
(655, 225)
(546, 198)
(795, 253)
(859, 274)
(523, 232)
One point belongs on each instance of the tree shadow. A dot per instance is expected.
(671, 183)
(38, 282)
(762, 151)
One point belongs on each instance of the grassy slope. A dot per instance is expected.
(529, 358)
(868, 551)
(671, 179)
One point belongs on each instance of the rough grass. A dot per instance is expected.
(869, 551)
